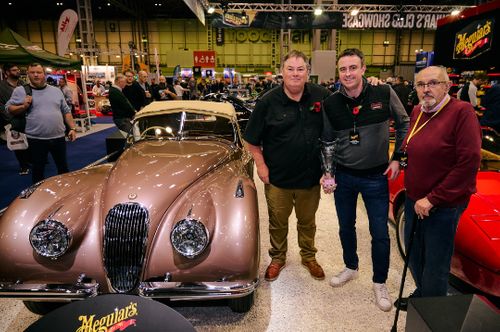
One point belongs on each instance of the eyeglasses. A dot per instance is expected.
(430, 84)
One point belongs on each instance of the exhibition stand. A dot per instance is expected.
(115, 312)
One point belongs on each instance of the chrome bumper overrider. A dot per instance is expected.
(167, 290)
(196, 291)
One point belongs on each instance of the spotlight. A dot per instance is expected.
(455, 12)
(318, 11)
(354, 12)
(211, 10)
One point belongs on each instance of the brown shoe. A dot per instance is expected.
(315, 269)
(273, 271)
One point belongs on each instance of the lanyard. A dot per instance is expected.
(415, 130)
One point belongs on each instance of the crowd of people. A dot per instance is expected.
(285, 133)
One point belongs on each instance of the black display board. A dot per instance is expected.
(470, 41)
(111, 313)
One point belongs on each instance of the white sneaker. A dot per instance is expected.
(343, 277)
(382, 298)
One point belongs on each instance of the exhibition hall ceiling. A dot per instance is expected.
(101, 9)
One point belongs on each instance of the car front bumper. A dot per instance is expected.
(156, 290)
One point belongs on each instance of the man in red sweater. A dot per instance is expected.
(443, 146)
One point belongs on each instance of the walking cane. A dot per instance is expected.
(405, 269)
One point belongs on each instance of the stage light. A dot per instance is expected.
(318, 11)
(455, 12)
(211, 10)
(354, 12)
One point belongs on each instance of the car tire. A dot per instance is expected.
(242, 304)
(42, 308)
(400, 230)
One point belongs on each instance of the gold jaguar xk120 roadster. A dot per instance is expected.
(175, 217)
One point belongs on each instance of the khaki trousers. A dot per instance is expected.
(280, 203)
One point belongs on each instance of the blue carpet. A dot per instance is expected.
(81, 152)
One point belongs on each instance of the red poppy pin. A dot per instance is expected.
(355, 110)
(316, 107)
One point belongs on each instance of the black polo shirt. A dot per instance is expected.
(289, 133)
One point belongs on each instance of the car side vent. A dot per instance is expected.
(125, 235)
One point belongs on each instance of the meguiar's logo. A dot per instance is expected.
(118, 320)
(474, 39)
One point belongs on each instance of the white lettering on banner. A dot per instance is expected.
(391, 20)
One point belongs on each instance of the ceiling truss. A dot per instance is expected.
(330, 6)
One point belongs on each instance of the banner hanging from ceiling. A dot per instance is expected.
(65, 29)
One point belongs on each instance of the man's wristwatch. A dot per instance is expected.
(70, 129)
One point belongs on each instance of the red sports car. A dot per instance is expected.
(476, 259)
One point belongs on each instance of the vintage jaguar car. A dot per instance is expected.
(476, 259)
(175, 217)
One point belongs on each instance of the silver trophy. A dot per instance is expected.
(328, 161)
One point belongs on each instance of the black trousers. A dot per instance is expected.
(39, 150)
(23, 157)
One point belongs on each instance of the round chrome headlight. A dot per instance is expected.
(50, 238)
(189, 237)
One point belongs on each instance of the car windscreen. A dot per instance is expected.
(184, 125)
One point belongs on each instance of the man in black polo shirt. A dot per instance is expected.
(283, 137)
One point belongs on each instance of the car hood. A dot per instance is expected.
(154, 173)
(485, 205)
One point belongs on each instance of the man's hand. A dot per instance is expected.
(393, 168)
(72, 135)
(263, 173)
(423, 207)
(328, 183)
(27, 102)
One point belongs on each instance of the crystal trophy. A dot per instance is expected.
(328, 162)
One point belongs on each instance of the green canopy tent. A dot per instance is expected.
(16, 49)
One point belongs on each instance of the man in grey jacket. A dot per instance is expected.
(357, 116)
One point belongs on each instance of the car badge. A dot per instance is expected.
(132, 196)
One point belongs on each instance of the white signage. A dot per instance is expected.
(65, 29)
(391, 21)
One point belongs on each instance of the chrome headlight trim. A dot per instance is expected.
(189, 237)
(50, 238)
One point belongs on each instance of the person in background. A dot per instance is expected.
(357, 116)
(67, 93)
(133, 91)
(123, 111)
(98, 89)
(179, 90)
(164, 91)
(469, 91)
(45, 128)
(283, 136)
(11, 81)
(491, 102)
(143, 82)
(402, 90)
(444, 152)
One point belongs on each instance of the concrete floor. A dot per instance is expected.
(295, 301)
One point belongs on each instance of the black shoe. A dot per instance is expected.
(403, 302)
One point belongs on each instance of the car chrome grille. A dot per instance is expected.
(125, 234)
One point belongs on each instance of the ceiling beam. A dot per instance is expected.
(330, 6)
